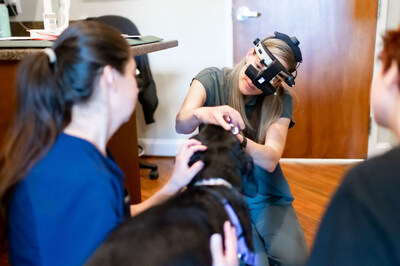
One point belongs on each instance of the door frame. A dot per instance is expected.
(374, 146)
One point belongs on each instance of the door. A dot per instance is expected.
(331, 96)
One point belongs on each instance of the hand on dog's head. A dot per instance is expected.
(224, 158)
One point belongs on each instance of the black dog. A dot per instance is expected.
(178, 231)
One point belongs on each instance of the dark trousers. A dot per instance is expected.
(277, 235)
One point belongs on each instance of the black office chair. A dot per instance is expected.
(145, 165)
(147, 88)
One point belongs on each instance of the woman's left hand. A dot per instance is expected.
(227, 257)
(182, 173)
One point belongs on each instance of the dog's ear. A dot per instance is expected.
(199, 155)
(245, 169)
(249, 185)
(195, 157)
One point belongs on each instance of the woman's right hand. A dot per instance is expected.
(223, 116)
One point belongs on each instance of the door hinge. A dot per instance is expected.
(369, 126)
(379, 9)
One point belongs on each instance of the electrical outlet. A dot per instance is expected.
(14, 7)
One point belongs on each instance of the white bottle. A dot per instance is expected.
(63, 14)
(49, 17)
(4, 22)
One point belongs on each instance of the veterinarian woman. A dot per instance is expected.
(251, 97)
(61, 191)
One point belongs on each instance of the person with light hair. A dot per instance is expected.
(251, 98)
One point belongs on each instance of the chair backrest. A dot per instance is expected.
(147, 87)
(123, 24)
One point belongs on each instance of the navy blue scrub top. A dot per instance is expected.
(66, 205)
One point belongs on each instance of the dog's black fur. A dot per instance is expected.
(178, 231)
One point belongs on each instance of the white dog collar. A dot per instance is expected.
(213, 182)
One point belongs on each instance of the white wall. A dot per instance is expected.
(204, 31)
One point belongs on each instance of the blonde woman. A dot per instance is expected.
(235, 100)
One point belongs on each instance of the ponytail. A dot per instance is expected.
(35, 126)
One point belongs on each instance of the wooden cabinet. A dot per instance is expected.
(8, 70)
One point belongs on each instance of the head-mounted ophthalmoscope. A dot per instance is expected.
(272, 68)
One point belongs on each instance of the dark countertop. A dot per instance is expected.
(15, 54)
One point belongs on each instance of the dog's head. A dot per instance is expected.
(224, 158)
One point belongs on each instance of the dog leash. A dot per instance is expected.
(244, 253)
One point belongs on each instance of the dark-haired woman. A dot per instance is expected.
(227, 97)
(61, 192)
